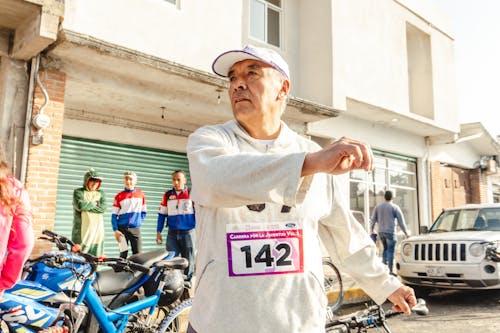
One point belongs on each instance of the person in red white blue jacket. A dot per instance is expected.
(129, 211)
(176, 206)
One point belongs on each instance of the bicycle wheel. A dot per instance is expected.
(333, 284)
(177, 320)
(143, 321)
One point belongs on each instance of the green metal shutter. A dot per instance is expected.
(111, 160)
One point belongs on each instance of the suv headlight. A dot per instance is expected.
(407, 249)
(476, 249)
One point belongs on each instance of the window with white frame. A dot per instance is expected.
(391, 172)
(265, 21)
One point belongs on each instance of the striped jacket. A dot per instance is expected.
(178, 209)
(129, 209)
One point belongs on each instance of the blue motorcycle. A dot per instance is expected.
(62, 290)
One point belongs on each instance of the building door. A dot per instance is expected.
(455, 188)
(111, 160)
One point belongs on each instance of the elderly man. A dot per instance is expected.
(264, 193)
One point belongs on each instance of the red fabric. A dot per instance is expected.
(16, 237)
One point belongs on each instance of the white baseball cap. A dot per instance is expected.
(224, 61)
(130, 174)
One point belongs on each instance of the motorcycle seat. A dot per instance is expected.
(109, 282)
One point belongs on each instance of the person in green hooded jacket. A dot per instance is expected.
(89, 205)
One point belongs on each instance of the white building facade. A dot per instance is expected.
(129, 80)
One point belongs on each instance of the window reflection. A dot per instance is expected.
(367, 189)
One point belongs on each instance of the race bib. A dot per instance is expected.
(263, 249)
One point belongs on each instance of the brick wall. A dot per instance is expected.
(478, 188)
(475, 183)
(43, 159)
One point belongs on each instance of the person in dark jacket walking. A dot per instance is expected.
(176, 206)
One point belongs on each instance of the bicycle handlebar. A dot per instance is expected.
(373, 316)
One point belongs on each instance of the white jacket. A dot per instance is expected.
(262, 271)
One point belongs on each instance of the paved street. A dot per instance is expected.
(454, 312)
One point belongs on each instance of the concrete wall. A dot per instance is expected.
(327, 64)
(460, 155)
(373, 67)
(160, 28)
(381, 137)
(105, 132)
(14, 88)
(315, 73)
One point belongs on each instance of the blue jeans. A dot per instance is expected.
(389, 243)
(181, 242)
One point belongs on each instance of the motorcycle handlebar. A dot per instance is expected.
(57, 259)
(60, 240)
(117, 263)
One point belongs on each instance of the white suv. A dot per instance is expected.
(457, 252)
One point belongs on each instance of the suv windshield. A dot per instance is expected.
(468, 219)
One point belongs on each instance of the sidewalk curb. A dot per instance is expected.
(355, 295)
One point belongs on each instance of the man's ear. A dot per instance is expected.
(285, 88)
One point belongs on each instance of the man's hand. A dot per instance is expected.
(403, 299)
(159, 239)
(118, 235)
(339, 157)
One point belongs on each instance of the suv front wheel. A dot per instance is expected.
(422, 292)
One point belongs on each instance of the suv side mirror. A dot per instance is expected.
(424, 229)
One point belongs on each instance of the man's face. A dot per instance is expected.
(256, 92)
(178, 180)
(130, 182)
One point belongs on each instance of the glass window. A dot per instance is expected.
(379, 176)
(357, 201)
(273, 27)
(375, 196)
(496, 192)
(265, 21)
(445, 223)
(402, 165)
(358, 174)
(402, 178)
(398, 175)
(257, 20)
(406, 199)
(379, 162)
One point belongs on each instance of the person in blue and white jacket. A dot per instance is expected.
(129, 211)
(176, 206)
